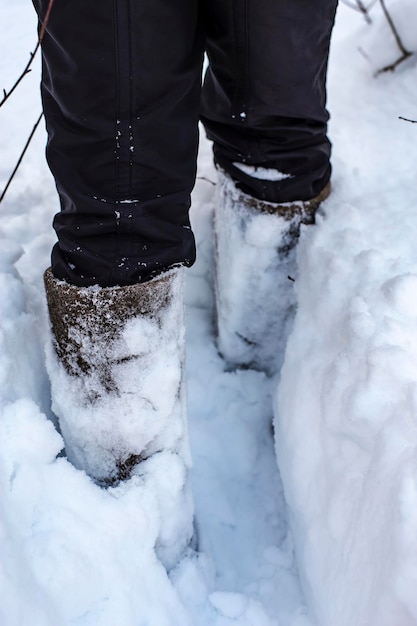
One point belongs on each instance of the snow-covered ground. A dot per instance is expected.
(344, 553)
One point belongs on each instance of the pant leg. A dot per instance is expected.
(264, 95)
(121, 90)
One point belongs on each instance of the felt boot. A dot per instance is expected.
(255, 258)
(116, 366)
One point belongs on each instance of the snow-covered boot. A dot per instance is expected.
(255, 258)
(118, 389)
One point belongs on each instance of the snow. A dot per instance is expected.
(340, 548)
(262, 173)
(346, 406)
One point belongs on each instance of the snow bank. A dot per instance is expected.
(71, 551)
(346, 413)
(347, 432)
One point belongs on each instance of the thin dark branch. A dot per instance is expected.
(365, 10)
(7, 94)
(393, 66)
(21, 157)
(364, 54)
(206, 179)
(405, 119)
(359, 6)
(405, 52)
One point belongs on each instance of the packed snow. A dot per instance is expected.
(340, 549)
(262, 173)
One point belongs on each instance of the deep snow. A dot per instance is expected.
(345, 408)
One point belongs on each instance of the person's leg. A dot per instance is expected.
(121, 90)
(263, 106)
(265, 93)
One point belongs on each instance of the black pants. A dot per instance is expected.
(122, 97)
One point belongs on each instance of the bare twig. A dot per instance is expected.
(7, 94)
(21, 157)
(393, 66)
(45, 21)
(405, 119)
(364, 54)
(358, 5)
(27, 70)
(206, 179)
(393, 28)
(405, 54)
(364, 10)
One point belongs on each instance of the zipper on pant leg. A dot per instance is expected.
(240, 102)
(124, 95)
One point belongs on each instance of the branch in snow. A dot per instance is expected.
(393, 28)
(21, 157)
(393, 66)
(27, 70)
(6, 95)
(358, 5)
(405, 119)
(206, 179)
(405, 54)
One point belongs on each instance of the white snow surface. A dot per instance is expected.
(262, 173)
(343, 551)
